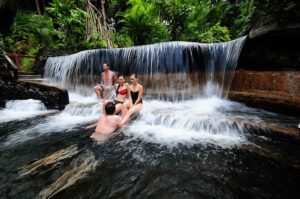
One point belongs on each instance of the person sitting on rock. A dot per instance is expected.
(108, 79)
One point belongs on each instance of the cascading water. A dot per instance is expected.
(178, 70)
(189, 141)
(173, 70)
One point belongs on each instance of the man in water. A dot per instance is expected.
(108, 79)
(107, 123)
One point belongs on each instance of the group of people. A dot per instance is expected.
(117, 111)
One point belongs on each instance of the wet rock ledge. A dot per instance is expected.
(268, 71)
(52, 97)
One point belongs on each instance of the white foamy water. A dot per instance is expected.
(190, 122)
(201, 121)
(16, 110)
(77, 98)
(74, 115)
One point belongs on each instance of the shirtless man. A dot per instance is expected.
(108, 79)
(107, 122)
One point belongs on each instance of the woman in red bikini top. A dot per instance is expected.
(121, 93)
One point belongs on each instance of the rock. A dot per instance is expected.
(268, 71)
(52, 97)
(274, 90)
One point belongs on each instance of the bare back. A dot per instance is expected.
(108, 123)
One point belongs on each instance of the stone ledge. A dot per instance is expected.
(52, 97)
(278, 91)
(276, 102)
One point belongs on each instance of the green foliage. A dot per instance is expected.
(174, 14)
(94, 41)
(142, 24)
(70, 21)
(27, 63)
(138, 22)
(203, 23)
(215, 33)
(243, 21)
(122, 40)
(31, 31)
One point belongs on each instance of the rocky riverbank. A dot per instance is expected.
(275, 90)
(268, 72)
(52, 97)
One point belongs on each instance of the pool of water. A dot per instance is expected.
(202, 148)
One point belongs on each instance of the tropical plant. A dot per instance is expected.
(70, 21)
(215, 33)
(142, 23)
(122, 40)
(27, 63)
(174, 14)
(243, 21)
(32, 31)
(28, 5)
(94, 41)
(96, 25)
(203, 23)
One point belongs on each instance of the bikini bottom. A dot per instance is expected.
(118, 102)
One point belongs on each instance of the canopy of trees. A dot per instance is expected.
(86, 24)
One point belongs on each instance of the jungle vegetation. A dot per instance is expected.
(87, 24)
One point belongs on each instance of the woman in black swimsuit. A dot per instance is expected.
(135, 92)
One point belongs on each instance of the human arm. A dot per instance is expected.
(129, 96)
(91, 126)
(115, 78)
(141, 92)
(119, 122)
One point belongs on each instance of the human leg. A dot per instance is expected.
(125, 108)
(107, 90)
(119, 108)
(134, 109)
(98, 90)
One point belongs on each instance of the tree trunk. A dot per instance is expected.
(103, 13)
(37, 4)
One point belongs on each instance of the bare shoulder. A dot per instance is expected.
(140, 86)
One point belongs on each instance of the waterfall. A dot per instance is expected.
(173, 70)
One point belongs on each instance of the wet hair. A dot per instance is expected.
(110, 108)
(107, 64)
(120, 75)
(134, 75)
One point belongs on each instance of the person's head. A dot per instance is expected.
(133, 78)
(121, 79)
(110, 108)
(105, 66)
